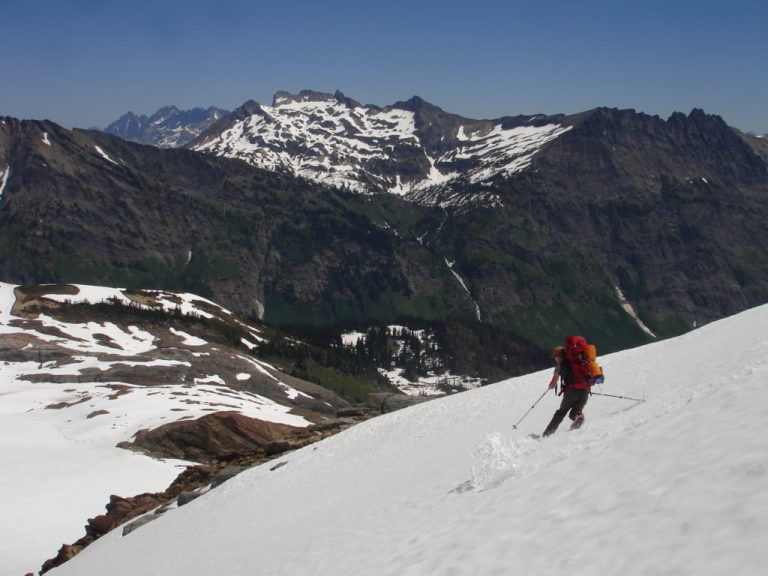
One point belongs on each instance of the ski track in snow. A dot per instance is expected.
(502, 457)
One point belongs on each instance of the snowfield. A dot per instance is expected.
(677, 484)
(338, 143)
(58, 457)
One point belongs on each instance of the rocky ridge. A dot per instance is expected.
(169, 127)
(412, 149)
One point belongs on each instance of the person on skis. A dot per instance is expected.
(575, 393)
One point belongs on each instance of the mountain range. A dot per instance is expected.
(411, 149)
(169, 127)
(317, 211)
(290, 263)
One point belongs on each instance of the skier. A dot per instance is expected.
(575, 393)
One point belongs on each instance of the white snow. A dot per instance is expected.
(186, 304)
(104, 154)
(188, 339)
(629, 309)
(436, 382)
(4, 177)
(676, 485)
(352, 338)
(58, 458)
(56, 473)
(430, 385)
(334, 143)
(465, 287)
(46, 140)
(504, 151)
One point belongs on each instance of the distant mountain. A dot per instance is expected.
(623, 227)
(169, 127)
(616, 225)
(411, 149)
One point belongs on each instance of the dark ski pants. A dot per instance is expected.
(572, 404)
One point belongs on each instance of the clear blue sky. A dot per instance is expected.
(84, 63)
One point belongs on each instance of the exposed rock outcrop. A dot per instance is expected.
(213, 437)
(209, 432)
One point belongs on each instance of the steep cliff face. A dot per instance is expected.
(91, 206)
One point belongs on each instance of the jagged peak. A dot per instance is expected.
(697, 117)
(131, 116)
(282, 98)
(417, 104)
(170, 109)
(248, 108)
(340, 97)
(602, 118)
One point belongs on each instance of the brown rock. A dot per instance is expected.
(212, 437)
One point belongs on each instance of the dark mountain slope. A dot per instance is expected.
(137, 216)
(621, 209)
(672, 213)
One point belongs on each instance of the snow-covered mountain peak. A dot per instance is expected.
(411, 148)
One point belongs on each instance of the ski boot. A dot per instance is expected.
(577, 422)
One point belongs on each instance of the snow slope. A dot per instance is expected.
(58, 457)
(675, 485)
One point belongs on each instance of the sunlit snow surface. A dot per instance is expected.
(5, 174)
(675, 485)
(58, 457)
(338, 143)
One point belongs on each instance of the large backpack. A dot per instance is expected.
(582, 370)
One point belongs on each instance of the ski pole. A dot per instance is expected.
(615, 396)
(514, 426)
